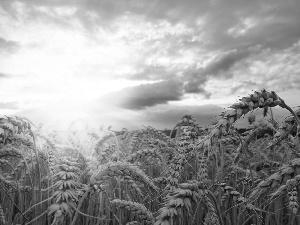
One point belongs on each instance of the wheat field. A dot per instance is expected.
(190, 176)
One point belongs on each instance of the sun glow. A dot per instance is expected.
(62, 71)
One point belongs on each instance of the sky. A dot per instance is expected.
(134, 63)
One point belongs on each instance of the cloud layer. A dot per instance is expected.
(7, 46)
(137, 55)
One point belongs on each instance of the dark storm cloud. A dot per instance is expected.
(218, 67)
(195, 82)
(145, 95)
(8, 46)
(224, 62)
(8, 105)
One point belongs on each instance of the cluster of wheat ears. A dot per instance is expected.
(215, 176)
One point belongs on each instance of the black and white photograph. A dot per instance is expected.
(139, 112)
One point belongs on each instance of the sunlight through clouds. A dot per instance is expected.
(83, 60)
(63, 69)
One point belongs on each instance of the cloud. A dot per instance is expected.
(107, 10)
(145, 95)
(277, 71)
(223, 24)
(8, 46)
(218, 67)
(8, 105)
(224, 62)
(196, 82)
(245, 85)
(3, 75)
(273, 25)
(151, 72)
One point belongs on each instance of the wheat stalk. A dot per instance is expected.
(2, 216)
(139, 210)
(116, 169)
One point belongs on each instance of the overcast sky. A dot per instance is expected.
(129, 63)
